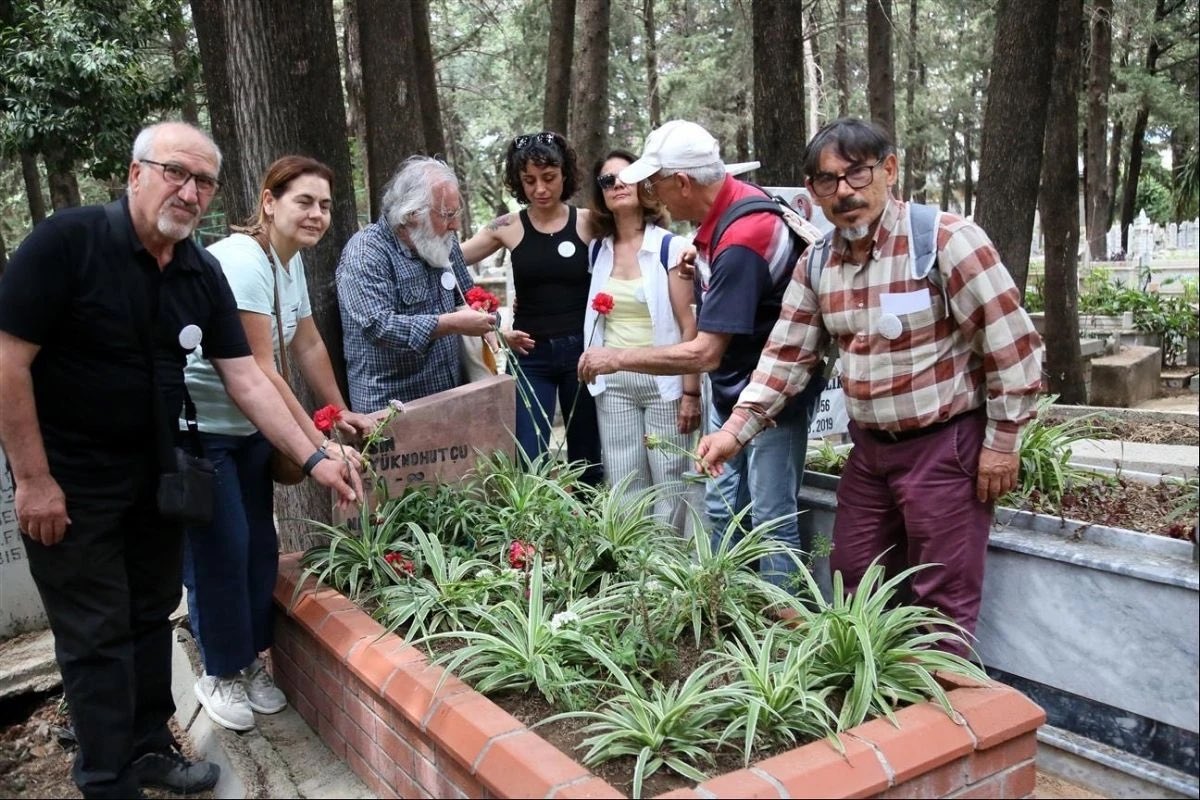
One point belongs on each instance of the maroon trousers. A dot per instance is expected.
(917, 497)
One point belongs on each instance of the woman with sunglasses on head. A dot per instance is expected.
(547, 242)
(635, 262)
(230, 565)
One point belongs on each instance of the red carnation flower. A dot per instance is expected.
(520, 554)
(602, 303)
(325, 418)
(481, 299)
(399, 563)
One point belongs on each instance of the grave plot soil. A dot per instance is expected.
(35, 756)
(1107, 427)
(1122, 503)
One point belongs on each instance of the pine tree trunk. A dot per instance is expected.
(1097, 200)
(779, 123)
(295, 106)
(1059, 208)
(32, 178)
(588, 124)
(881, 87)
(60, 175)
(968, 174)
(392, 104)
(841, 73)
(651, 38)
(427, 85)
(1137, 135)
(560, 51)
(1014, 126)
(914, 162)
(351, 53)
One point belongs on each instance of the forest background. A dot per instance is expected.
(1078, 108)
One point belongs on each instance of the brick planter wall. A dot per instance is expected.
(375, 702)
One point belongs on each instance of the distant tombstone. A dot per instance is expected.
(1171, 241)
(1187, 235)
(436, 439)
(830, 417)
(1143, 239)
(1112, 241)
(20, 605)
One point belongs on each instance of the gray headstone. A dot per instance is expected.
(20, 606)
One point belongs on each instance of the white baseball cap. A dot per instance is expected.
(675, 145)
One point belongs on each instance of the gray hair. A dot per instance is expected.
(143, 145)
(410, 190)
(705, 175)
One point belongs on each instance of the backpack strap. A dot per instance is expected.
(923, 224)
(664, 250)
(593, 253)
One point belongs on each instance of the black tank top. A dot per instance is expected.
(550, 274)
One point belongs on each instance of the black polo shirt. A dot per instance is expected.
(69, 288)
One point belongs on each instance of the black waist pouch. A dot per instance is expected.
(187, 494)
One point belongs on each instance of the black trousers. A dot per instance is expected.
(109, 588)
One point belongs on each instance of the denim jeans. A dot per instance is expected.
(764, 476)
(229, 567)
(549, 372)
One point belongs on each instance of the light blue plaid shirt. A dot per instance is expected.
(390, 300)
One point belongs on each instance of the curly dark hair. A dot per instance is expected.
(603, 224)
(545, 149)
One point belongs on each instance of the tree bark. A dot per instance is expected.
(177, 35)
(1014, 126)
(32, 177)
(948, 172)
(812, 74)
(60, 175)
(560, 51)
(1137, 134)
(881, 87)
(1059, 208)
(294, 106)
(779, 122)
(968, 174)
(351, 53)
(1097, 199)
(914, 162)
(589, 116)
(427, 85)
(391, 91)
(841, 73)
(239, 190)
(651, 38)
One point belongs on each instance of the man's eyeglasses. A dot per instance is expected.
(649, 185)
(860, 177)
(527, 140)
(607, 181)
(448, 216)
(176, 175)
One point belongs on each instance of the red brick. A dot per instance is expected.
(362, 716)
(342, 630)
(359, 766)
(434, 780)
(587, 788)
(1020, 780)
(331, 686)
(999, 758)
(939, 782)
(412, 687)
(525, 765)
(330, 736)
(685, 792)
(818, 770)
(375, 661)
(739, 783)
(923, 739)
(404, 785)
(463, 723)
(950, 681)
(997, 715)
(309, 612)
(304, 708)
(989, 789)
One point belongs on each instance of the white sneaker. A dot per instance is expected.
(225, 701)
(261, 692)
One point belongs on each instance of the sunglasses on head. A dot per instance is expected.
(527, 140)
(607, 181)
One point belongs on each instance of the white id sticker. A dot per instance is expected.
(566, 249)
(448, 281)
(190, 336)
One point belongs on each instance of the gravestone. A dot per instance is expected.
(20, 606)
(830, 417)
(438, 438)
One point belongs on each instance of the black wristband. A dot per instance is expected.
(686, 393)
(316, 458)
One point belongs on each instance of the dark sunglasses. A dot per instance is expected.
(607, 181)
(527, 140)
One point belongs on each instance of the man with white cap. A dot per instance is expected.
(740, 282)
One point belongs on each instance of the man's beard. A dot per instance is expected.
(171, 228)
(434, 250)
(856, 233)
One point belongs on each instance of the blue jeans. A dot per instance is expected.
(764, 476)
(549, 372)
(229, 567)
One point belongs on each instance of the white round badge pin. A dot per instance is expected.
(448, 281)
(190, 336)
(566, 249)
(889, 326)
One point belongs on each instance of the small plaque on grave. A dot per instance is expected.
(20, 605)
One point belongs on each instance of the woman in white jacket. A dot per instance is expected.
(634, 260)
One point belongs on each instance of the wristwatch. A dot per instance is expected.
(316, 458)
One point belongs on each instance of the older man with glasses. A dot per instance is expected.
(400, 282)
(940, 368)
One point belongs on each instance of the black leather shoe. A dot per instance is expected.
(170, 770)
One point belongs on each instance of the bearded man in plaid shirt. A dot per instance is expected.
(939, 375)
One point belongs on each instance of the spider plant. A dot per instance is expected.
(353, 561)
(880, 655)
(826, 458)
(1045, 450)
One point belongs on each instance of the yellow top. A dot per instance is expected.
(628, 324)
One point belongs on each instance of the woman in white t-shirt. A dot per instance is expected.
(634, 259)
(230, 565)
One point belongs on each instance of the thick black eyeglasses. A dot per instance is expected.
(860, 177)
(607, 181)
(176, 175)
(527, 140)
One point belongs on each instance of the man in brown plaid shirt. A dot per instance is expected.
(939, 375)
